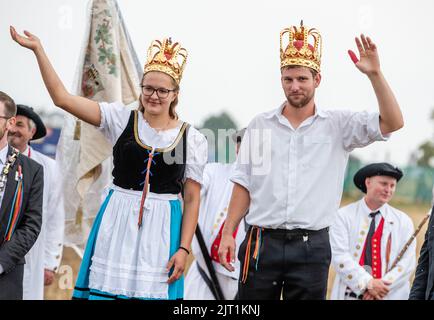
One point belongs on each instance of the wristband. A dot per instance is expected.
(185, 249)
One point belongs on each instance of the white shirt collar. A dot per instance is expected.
(4, 154)
(366, 210)
(278, 112)
(26, 152)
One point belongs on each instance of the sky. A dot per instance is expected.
(233, 62)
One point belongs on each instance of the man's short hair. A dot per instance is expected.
(312, 71)
(10, 106)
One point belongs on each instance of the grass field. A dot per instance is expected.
(61, 289)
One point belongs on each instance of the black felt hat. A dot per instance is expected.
(375, 169)
(28, 112)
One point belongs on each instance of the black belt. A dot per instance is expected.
(353, 295)
(301, 232)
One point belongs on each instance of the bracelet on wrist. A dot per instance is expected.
(185, 249)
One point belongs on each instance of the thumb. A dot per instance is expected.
(170, 264)
(353, 56)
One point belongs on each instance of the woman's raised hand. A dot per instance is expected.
(81, 107)
(29, 41)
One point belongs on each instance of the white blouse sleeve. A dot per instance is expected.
(197, 155)
(114, 119)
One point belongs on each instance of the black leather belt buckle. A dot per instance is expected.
(353, 295)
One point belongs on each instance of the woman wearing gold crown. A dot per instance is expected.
(294, 199)
(140, 240)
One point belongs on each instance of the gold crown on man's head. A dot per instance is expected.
(166, 57)
(301, 47)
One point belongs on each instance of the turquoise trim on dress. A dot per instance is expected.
(81, 290)
(176, 289)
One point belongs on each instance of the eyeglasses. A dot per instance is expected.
(162, 93)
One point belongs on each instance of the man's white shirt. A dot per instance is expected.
(46, 253)
(3, 158)
(295, 176)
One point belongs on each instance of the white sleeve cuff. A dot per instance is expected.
(242, 180)
(374, 129)
(197, 155)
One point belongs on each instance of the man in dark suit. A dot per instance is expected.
(423, 284)
(21, 188)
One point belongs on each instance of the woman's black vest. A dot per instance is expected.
(130, 157)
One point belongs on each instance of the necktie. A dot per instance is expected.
(368, 252)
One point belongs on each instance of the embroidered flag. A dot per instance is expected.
(108, 70)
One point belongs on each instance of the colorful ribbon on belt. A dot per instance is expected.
(145, 187)
(255, 252)
(16, 206)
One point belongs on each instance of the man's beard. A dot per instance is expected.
(300, 103)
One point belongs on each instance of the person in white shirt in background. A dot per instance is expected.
(294, 187)
(43, 259)
(215, 195)
(366, 238)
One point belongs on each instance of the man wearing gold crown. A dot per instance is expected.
(290, 173)
(140, 240)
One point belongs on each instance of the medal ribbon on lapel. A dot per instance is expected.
(16, 206)
(9, 163)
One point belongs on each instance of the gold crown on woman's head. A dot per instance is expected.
(166, 57)
(300, 47)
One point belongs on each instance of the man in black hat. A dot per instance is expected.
(43, 260)
(21, 187)
(366, 238)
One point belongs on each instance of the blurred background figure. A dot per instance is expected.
(201, 283)
(368, 236)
